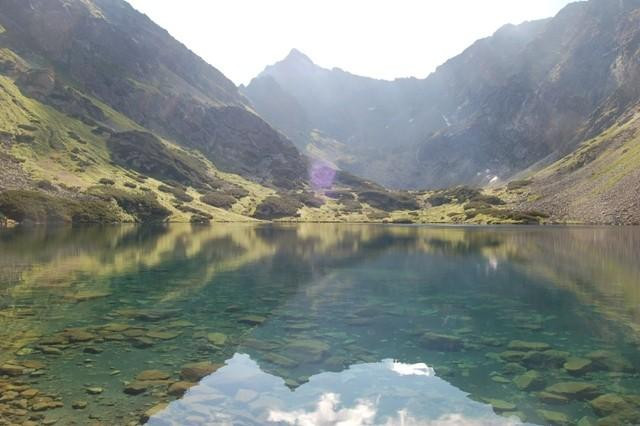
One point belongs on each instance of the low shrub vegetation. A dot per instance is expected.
(277, 207)
(218, 199)
(388, 201)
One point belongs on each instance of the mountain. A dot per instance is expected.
(107, 118)
(524, 97)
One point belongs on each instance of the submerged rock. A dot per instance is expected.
(552, 398)
(153, 411)
(78, 335)
(500, 405)
(512, 356)
(217, 339)
(531, 380)
(545, 359)
(11, 370)
(554, 417)
(136, 388)
(307, 350)
(611, 403)
(441, 342)
(94, 390)
(520, 345)
(252, 319)
(606, 360)
(577, 366)
(79, 405)
(179, 388)
(162, 335)
(574, 390)
(193, 372)
(153, 375)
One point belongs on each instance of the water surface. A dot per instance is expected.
(320, 324)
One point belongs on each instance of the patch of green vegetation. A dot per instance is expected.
(143, 206)
(218, 199)
(106, 181)
(38, 207)
(179, 193)
(527, 217)
(277, 207)
(388, 201)
(308, 199)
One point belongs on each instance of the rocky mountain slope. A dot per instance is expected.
(527, 95)
(107, 118)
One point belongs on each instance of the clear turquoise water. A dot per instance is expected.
(321, 324)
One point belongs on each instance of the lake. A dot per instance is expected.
(320, 324)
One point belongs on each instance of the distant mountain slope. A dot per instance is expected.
(529, 93)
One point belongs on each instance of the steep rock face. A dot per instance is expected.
(527, 94)
(109, 51)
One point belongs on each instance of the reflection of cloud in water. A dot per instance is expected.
(327, 413)
(385, 393)
(420, 369)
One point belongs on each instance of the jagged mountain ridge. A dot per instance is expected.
(527, 94)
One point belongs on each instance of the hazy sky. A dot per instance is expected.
(376, 38)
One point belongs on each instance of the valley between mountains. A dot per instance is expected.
(107, 118)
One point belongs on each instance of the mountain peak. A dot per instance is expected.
(297, 56)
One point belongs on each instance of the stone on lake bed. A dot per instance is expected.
(217, 339)
(179, 388)
(306, 350)
(11, 370)
(280, 360)
(78, 335)
(162, 335)
(546, 359)
(531, 380)
(610, 361)
(552, 398)
(500, 405)
(574, 390)
(577, 366)
(441, 342)
(252, 319)
(520, 345)
(512, 356)
(611, 403)
(29, 393)
(153, 375)
(554, 417)
(142, 342)
(136, 388)
(92, 350)
(79, 405)
(134, 332)
(94, 390)
(153, 411)
(115, 327)
(195, 371)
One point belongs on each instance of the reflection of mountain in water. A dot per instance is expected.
(381, 393)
